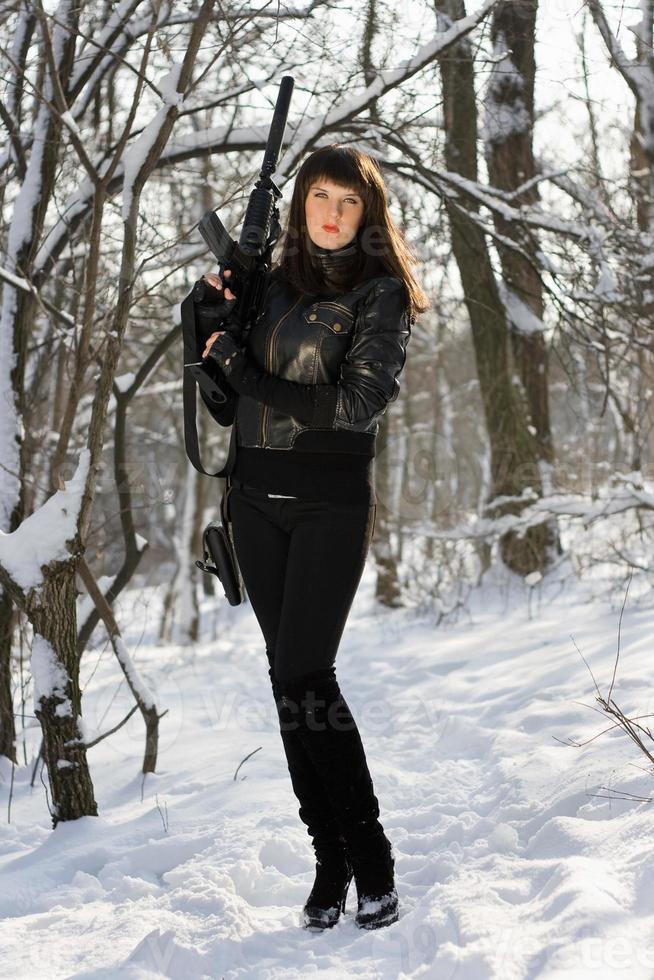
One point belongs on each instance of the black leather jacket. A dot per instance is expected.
(351, 346)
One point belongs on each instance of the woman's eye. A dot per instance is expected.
(321, 194)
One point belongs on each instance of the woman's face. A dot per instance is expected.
(333, 214)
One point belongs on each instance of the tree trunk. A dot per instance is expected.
(18, 311)
(57, 697)
(387, 586)
(510, 161)
(7, 725)
(514, 457)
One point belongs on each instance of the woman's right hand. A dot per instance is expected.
(215, 281)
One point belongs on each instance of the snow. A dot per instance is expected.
(384, 79)
(19, 233)
(10, 425)
(124, 381)
(511, 862)
(501, 118)
(135, 678)
(49, 676)
(523, 319)
(229, 137)
(137, 153)
(42, 537)
(606, 284)
(168, 85)
(140, 541)
(135, 156)
(70, 122)
(110, 35)
(18, 281)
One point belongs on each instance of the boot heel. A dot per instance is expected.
(321, 915)
(345, 891)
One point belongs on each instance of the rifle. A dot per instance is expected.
(248, 259)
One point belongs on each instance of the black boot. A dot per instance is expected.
(327, 898)
(331, 738)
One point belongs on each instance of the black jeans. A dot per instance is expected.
(301, 563)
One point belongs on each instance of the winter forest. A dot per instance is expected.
(497, 653)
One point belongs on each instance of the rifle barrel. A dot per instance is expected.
(278, 125)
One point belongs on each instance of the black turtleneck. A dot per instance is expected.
(336, 263)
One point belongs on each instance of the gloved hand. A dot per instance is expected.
(227, 354)
(215, 309)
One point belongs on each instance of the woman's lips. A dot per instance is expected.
(331, 228)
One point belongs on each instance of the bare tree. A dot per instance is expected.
(514, 456)
(508, 134)
(49, 600)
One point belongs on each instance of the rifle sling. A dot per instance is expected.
(189, 334)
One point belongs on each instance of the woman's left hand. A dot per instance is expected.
(223, 349)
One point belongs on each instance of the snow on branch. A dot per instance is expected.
(385, 80)
(637, 74)
(227, 139)
(134, 677)
(624, 492)
(503, 117)
(41, 538)
(136, 155)
(521, 316)
(49, 676)
(106, 49)
(534, 217)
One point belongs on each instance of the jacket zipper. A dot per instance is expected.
(269, 366)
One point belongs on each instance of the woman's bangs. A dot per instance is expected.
(341, 170)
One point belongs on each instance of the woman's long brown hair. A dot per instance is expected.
(381, 243)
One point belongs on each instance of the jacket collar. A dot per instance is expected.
(335, 262)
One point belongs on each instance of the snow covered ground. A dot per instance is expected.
(510, 861)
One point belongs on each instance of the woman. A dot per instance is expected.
(306, 392)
